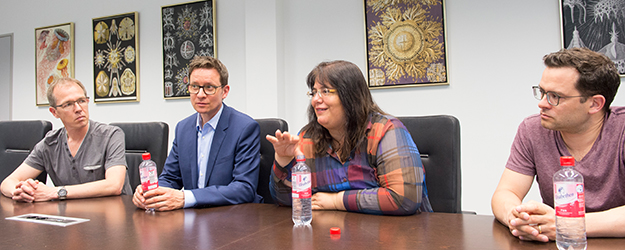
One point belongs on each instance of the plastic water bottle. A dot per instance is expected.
(301, 192)
(568, 193)
(148, 174)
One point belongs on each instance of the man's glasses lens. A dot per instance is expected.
(70, 104)
(552, 98)
(208, 89)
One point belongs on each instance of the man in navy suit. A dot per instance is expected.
(215, 155)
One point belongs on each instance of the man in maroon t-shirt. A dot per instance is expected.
(575, 93)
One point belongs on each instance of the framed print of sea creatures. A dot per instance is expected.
(188, 30)
(116, 58)
(406, 44)
(596, 25)
(54, 57)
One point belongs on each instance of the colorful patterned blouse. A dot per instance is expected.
(384, 175)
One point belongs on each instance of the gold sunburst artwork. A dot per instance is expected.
(405, 43)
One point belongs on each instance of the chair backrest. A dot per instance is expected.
(268, 126)
(142, 137)
(17, 139)
(438, 140)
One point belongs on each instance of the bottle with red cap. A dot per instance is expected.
(301, 192)
(148, 174)
(569, 204)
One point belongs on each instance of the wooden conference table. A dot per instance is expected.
(115, 223)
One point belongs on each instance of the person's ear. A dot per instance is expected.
(597, 103)
(226, 90)
(53, 111)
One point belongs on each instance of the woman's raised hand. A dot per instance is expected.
(285, 146)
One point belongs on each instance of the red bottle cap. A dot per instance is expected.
(567, 161)
(146, 156)
(335, 230)
(299, 158)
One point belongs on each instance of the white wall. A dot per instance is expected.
(494, 50)
(6, 46)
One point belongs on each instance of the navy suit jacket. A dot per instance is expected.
(233, 163)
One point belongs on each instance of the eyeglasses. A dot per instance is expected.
(208, 89)
(325, 92)
(81, 101)
(552, 98)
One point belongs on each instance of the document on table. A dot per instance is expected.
(55, 220)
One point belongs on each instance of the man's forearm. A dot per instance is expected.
(609, 223)
(7, 187)
(112, 184)
(92, 189)
(502, 205)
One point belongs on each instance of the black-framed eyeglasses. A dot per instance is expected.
(208, 89)
(324, 92)
(70, 104)
(552, 97)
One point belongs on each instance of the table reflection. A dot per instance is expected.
(154, 229)
(115, 223)
(506, 241)
(302, 237)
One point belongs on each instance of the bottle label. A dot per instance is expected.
(149, 179)
(569, 199)
(301, 185)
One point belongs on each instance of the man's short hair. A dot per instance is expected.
(597, 73)
(62, 81)
(208, 62)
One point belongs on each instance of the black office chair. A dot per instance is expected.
(17, 139)
(142, 137)
(268, 126)
(438, 140)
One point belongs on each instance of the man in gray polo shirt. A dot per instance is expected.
(84, 159)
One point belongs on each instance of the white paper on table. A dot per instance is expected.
(55, 220)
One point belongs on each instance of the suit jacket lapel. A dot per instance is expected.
(188, 149)
(218, 138)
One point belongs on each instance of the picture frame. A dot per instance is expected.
(594, 25)
(406, 43)
(188, 30)
(116, 58)
(54, 57)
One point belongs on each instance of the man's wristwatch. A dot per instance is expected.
(62, 193)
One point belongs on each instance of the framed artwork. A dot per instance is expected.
(406, 44)
(188, 30)
(54, 57)
(116, 58)
(596, 25)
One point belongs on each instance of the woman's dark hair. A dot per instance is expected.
(355, 97)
